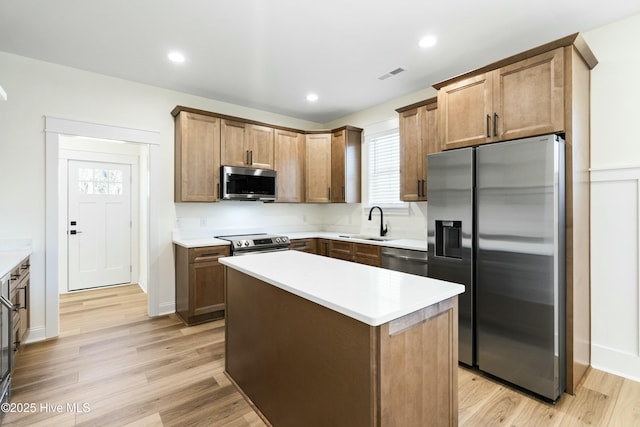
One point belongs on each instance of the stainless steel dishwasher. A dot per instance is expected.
(405, 260)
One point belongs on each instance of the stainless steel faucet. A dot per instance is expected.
(383, 231)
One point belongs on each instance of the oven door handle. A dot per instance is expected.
(260, 251)
(6, 302)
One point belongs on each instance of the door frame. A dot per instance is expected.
(67, 155)
(55, 128)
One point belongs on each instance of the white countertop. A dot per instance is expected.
(416, 245)
(369, 294)
(9, 259)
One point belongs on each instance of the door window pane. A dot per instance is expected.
(100, 181)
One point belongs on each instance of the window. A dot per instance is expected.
(384, 169)
(100, 181)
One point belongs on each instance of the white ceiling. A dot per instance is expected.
(268, 54)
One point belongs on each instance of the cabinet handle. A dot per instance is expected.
(329, 193)
(495, 124)
(488, 126)
(205, 257)
(218, 191)
(419, 189)
(26, 302)
(247, 153)
(343, 198)
(251, 157)
(424, 193)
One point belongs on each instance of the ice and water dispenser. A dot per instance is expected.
(449, 239)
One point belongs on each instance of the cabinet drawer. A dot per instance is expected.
(208, 253)
(304, 245)
(367, 250)
(340, 246)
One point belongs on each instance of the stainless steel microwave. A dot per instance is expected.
(240, 183)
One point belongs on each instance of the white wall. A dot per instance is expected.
(615, 198)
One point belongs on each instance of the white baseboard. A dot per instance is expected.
(625, 364)
(166, 308)
(37, 334)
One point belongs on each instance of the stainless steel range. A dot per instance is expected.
(245, 244)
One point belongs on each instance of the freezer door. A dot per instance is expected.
(520, 263)
(450, 233)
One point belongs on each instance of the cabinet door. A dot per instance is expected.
(529, 96)
(318, 165)
(322, 247)
(338, 149)
(465, 112)
(197, 158)
(367, 254)
(304, 245)
(289, 162)
(341, 250)
(206, 283)
(411, 163)
(261, 151)
(234, 146)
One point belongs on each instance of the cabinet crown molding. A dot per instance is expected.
(180, 108)
(576, 40)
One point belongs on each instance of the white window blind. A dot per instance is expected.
(384, 169)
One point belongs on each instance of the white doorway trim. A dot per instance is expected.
(54, 129)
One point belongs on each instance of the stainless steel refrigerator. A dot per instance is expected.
(496, 225)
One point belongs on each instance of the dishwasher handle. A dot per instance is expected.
(404, 257)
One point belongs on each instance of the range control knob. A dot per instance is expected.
(277, 240)
(238, 244)
(246, 243)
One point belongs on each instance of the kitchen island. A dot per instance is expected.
(317, 341)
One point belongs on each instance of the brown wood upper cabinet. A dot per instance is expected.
(197, 158)
(318, 168)
(289, 163)
(246, 145)
(346, 143)
(418, 138)
(522, 99)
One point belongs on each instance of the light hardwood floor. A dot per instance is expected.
(132, 370)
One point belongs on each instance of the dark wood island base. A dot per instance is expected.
(299, 363)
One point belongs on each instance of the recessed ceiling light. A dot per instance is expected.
(427, 41)
(312, 97)
(176, 57)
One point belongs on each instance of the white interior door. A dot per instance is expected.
(99, 227)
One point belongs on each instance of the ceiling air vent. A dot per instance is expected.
(391, 73)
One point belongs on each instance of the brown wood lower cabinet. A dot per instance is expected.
(322, 247)
(308, 365)
(19, 297)
(361, 253)
(304, 245)
(200, 283)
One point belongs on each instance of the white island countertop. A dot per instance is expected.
(369, 294)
